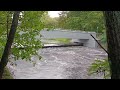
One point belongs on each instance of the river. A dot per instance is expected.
(59, 63)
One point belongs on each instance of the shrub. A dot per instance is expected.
(100, 66)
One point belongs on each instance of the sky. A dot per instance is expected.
(54, 13)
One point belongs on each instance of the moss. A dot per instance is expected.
(7, 74)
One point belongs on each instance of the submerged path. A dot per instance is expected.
(59, 63)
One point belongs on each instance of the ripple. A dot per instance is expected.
(58, 63)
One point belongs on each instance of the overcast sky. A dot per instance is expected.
(54, 13)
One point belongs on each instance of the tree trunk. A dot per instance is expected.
(112, 19)
(4, 59)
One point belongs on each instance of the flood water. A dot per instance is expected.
(59, 63)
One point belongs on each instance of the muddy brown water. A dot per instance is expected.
(59, 63)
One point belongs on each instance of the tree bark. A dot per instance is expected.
(4, 59)
(112, 19)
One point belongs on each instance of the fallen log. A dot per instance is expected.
(63, 45)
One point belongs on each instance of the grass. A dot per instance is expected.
(7, 74)
(62, 40)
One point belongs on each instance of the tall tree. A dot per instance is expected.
(10, 39)
(62, 19)
(82, 20)
(27, 37)
(112, 19)
(49, 22)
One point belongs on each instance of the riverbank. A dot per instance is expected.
(7, 74)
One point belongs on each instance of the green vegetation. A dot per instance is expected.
(25, 42)
(30, 24)
(76, 20)
(7, 74)
(62, 40)
(100, 66)
(49, 23)
(80, 20)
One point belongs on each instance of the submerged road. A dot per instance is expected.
(59, 63)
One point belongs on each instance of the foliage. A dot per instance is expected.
(49, 23)
(76, 20)
(3, 29)
(103, 37)
(82, 20)
(100, 66)
(62, 19)
(27, 38)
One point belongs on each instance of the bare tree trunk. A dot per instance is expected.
(10, 39)
(112, 19)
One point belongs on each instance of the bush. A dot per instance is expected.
(100, 66)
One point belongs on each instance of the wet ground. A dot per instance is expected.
(59, 63)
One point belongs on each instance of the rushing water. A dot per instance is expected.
(59, 63)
